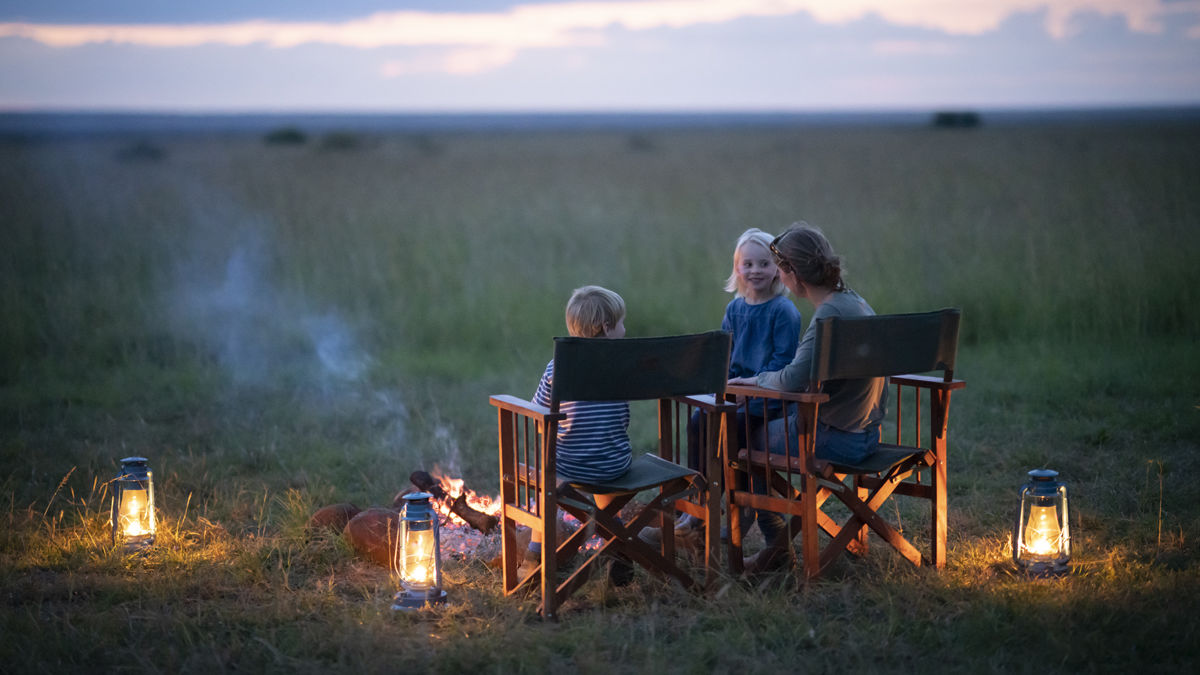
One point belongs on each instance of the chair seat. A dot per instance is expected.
(645, 472)
(883, 459)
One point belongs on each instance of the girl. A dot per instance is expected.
(765, 326)
(847, 424)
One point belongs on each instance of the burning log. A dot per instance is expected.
(426, 483)
(477, 519)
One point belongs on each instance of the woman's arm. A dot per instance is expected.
(785, 336)
(793, 376)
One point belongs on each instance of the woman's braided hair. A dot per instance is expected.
(805, 251)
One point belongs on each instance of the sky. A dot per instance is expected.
(595, 55)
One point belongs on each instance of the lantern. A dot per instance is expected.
(1042, 538)
(133, 505)
(419, 554)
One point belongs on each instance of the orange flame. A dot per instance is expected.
(456, 535)
(460, 538)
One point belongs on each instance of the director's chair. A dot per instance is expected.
(892, 346)
(683, 373)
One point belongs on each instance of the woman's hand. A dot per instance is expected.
(746, 381)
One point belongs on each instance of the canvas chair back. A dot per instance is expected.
(882, 346)
(683, 373)
(634, 369)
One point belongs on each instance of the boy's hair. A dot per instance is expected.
(592, 309)
(734, 283)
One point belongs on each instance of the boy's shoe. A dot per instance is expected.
(620, 572)
(529, 563)
(651, 536)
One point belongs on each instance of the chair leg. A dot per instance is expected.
(809, 546)
(712, 534)
(860, 541)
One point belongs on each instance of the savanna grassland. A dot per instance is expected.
(280, 326)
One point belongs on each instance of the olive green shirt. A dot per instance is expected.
(853, 404)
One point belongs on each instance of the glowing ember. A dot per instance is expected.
(460, 538)
(455, 487)
(457, 535)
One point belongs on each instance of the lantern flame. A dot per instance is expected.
(133, 513)
(1043, 536)
(419, 574)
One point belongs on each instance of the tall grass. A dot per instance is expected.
(462, 254)
(283, 327)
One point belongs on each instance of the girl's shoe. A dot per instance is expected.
(770, 559)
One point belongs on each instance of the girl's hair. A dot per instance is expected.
(591, 309)
(734, 283)
(805, 251)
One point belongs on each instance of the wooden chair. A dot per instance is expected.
(892, 346)
(683, 373)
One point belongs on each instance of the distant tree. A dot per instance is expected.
(285, 136)
(640, 143)
(956, 119)
(142, 151)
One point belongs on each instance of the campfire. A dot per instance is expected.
(469, 522)
(467, 517)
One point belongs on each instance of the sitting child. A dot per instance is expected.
(593, 440)
(766, 329)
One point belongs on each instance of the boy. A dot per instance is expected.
(593, 440)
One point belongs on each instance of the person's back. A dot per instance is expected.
(853, 405)
(593, 441)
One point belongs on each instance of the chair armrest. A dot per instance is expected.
(760, 392)
(706, 402)
(927, 382)
(523, 407)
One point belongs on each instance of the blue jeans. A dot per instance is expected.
(832, 444)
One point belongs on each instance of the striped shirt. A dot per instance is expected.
(593, 440)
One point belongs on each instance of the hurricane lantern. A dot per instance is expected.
(133, 505)
(419, 555)
(1041, 542)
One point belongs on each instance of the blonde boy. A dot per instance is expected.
(593, 440)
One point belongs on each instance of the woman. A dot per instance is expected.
(848, 423)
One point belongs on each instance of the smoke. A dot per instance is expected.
(339, 355)
(225, 302)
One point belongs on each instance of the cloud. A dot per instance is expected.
(454, 62)
(574, 23)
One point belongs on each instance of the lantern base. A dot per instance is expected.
(408, 601)
(137, 544)
(1040, 570)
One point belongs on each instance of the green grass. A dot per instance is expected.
(179, 308)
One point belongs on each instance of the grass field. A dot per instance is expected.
(280, 327)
